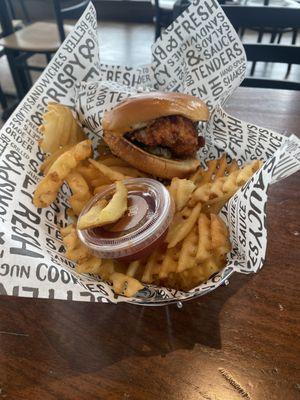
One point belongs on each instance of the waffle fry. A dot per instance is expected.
(197, 241)
(152, 267)
(181, 190)
(220, 243)
(75, 250)
(223, 187)
(88, 171)
(170, 262)
(59, 128)
(47, 189)
(189, 278)
(90, 266)
(112, 212)
(187, 256)
(192, 277)
(204, 242)
(133, 268)
(213, 238)
(108, 269)
(49, 161)
(125, 285)
(100, 181)
(107, 171)
(182, 226)
(80, 189)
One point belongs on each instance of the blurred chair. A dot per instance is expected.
(163, 14)
(274, 18)
(41, 38)
(3, 101)
(16, 24)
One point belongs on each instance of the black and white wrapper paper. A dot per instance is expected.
(199, 54)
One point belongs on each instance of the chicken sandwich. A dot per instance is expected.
(157, 132)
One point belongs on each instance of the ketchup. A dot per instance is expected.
(143, 227)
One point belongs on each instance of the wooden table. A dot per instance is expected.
(239, 342)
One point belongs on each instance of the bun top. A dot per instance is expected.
(135, 111)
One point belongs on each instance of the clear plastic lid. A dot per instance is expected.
(148, 216)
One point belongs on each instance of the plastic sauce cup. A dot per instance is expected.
(142, 228)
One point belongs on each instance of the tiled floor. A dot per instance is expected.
(130, 44)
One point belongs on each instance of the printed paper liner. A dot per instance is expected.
(200, 54)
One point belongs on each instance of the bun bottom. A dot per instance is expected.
(149, 163)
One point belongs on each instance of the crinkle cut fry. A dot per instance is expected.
(59, 128)
(177, 233)
(222, 187)
(181, 190)
(80, 191)
(49, 186)
(75, 250)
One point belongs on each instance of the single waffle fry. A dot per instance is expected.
(100, 181)
(59, 128)
(44, 168)
(196, 176)
(107, 268)
(111, 213)
(47, 189)
(222, 167)
(247, 171)
(125, 285)
(233, 166)
(80, 189)
(65, 231)
(185, 212)
(78, 203)
(215, 205)
(211, 266)
(170, 262)
(177, 233)
(216, 188)
(78, 254)
(220, 243)
(88, 171)
(230, 185)
(90, 266)
(75, 250)
(70, 238)
(181, 190)
(152, 267)
(71, 215)
(89, 219)
(190, 278)
(202, 194)
(204, 239)
(133, 268)
(207, 175)
(187, 256)
(107, 171)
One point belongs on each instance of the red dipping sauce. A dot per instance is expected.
(142, 228)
